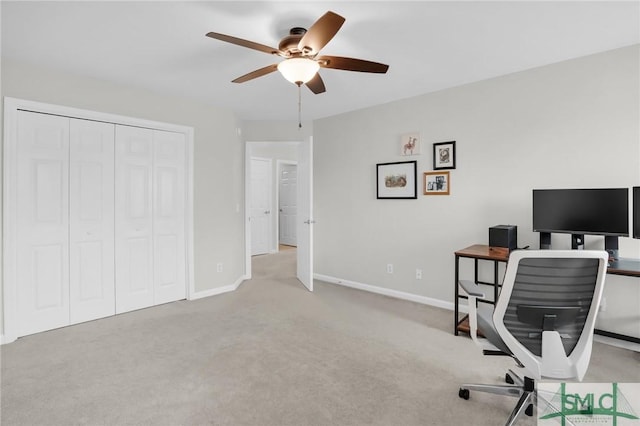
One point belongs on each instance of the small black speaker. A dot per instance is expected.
(504, 236)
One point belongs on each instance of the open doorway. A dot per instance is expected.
(288, 222)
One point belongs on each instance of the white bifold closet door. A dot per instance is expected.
(65, 221)
(42, 247)
(150, 229)
(100, 220)
(91, 229)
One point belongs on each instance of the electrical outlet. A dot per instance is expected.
(389, 268)
(418, 274)
(219, 267)
(603, 305)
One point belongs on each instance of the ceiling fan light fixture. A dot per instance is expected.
(298, 70)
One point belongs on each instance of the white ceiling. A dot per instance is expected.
(161, 45)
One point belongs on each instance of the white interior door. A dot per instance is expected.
(305, 214)
(133, 218)
(42, 232)
(169, 254)
(91, 229)
(288, 190)
(260, 217)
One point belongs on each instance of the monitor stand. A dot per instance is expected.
(545, 241)
(611, 246)
(577, 241)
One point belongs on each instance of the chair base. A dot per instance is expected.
(521, 388)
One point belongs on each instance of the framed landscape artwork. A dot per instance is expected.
(397, 180)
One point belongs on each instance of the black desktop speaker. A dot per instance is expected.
(504, 236)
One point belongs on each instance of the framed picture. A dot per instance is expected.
(397, 180)
(444, 155)
(410, 144)
(436, 183)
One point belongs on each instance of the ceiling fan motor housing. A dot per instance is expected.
(289, 44)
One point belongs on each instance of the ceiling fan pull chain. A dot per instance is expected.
(299, 106)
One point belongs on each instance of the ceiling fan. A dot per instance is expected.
(300, 50)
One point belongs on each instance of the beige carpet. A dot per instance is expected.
(270, 354)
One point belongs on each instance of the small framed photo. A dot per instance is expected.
(436, 183)
(410, 144)
(444, 155)
(397, 180)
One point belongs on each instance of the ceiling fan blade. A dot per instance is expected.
(351, 64)
(257, 73)
(244, 43)
(316, 84)
(320, 33)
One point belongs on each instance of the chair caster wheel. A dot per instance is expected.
(529, 410)
(508, 379)
(463, 393)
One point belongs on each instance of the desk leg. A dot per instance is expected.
(475, 271)
(455, 298)
(495, 281)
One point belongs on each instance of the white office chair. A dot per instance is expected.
(544, 318)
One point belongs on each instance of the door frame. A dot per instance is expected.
(279, 164)
(249, 145)
(9, 212)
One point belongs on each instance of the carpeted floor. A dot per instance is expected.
(270, 353)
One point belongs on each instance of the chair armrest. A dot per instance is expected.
(471, 288)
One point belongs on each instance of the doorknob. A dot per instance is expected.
(309, 222)
(267, 211)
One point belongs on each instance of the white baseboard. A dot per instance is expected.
(617, 343)
(445, 305)
(218, 290)
(388, 292)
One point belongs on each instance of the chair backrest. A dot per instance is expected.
(547, 309)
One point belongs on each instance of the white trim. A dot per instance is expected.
(218, 290)
(11, 108)
(386, 292)
(618, 343)
(189, 220)
(9, 213)
(33, 106)
(247, 210)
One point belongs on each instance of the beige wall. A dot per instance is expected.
(571, 124)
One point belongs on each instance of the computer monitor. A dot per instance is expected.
(602, 211)
(636, 212)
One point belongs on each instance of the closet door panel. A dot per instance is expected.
(42, 257)
(91, 212)
(168, 216)
(133, 218)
